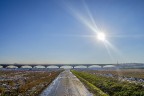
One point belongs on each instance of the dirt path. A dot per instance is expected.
(66, 84)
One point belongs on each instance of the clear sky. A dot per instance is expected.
(59, 31)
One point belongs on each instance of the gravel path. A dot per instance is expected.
(66, 84)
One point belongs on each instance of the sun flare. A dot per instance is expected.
(101, 36)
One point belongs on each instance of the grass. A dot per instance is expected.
(25, 83)
(100, 84)
(96, 91)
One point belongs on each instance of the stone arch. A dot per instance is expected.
(11, 66)
(66, 66)
(39, 66)
(95, 66)
(26, 66)
(109, 66)
(52, 66)
(80, 66)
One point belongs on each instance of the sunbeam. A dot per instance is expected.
(108, 51)
(90, 15)
(90, 23)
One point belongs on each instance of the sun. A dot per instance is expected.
(101, 36)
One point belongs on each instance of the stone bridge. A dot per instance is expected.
(57, 65)
(72, 65)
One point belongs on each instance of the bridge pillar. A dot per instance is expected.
(32, 66)
(5, 66)
(87, 66)
(73, 67)
(45, 67)
(59, 67)
(102, 67)
(18, 66)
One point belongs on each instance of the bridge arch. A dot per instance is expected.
(109, 66)
(53, 66)
(80, 66)
(67, 66)
(11, 66)
(26, 66)
(39, 66)
(95, 66)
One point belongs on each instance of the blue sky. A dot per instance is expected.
(48, 31)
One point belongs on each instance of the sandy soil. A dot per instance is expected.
(66, 84)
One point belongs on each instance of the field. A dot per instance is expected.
(108, 82)
(122, 82)
(136, 73)
(25, 83)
